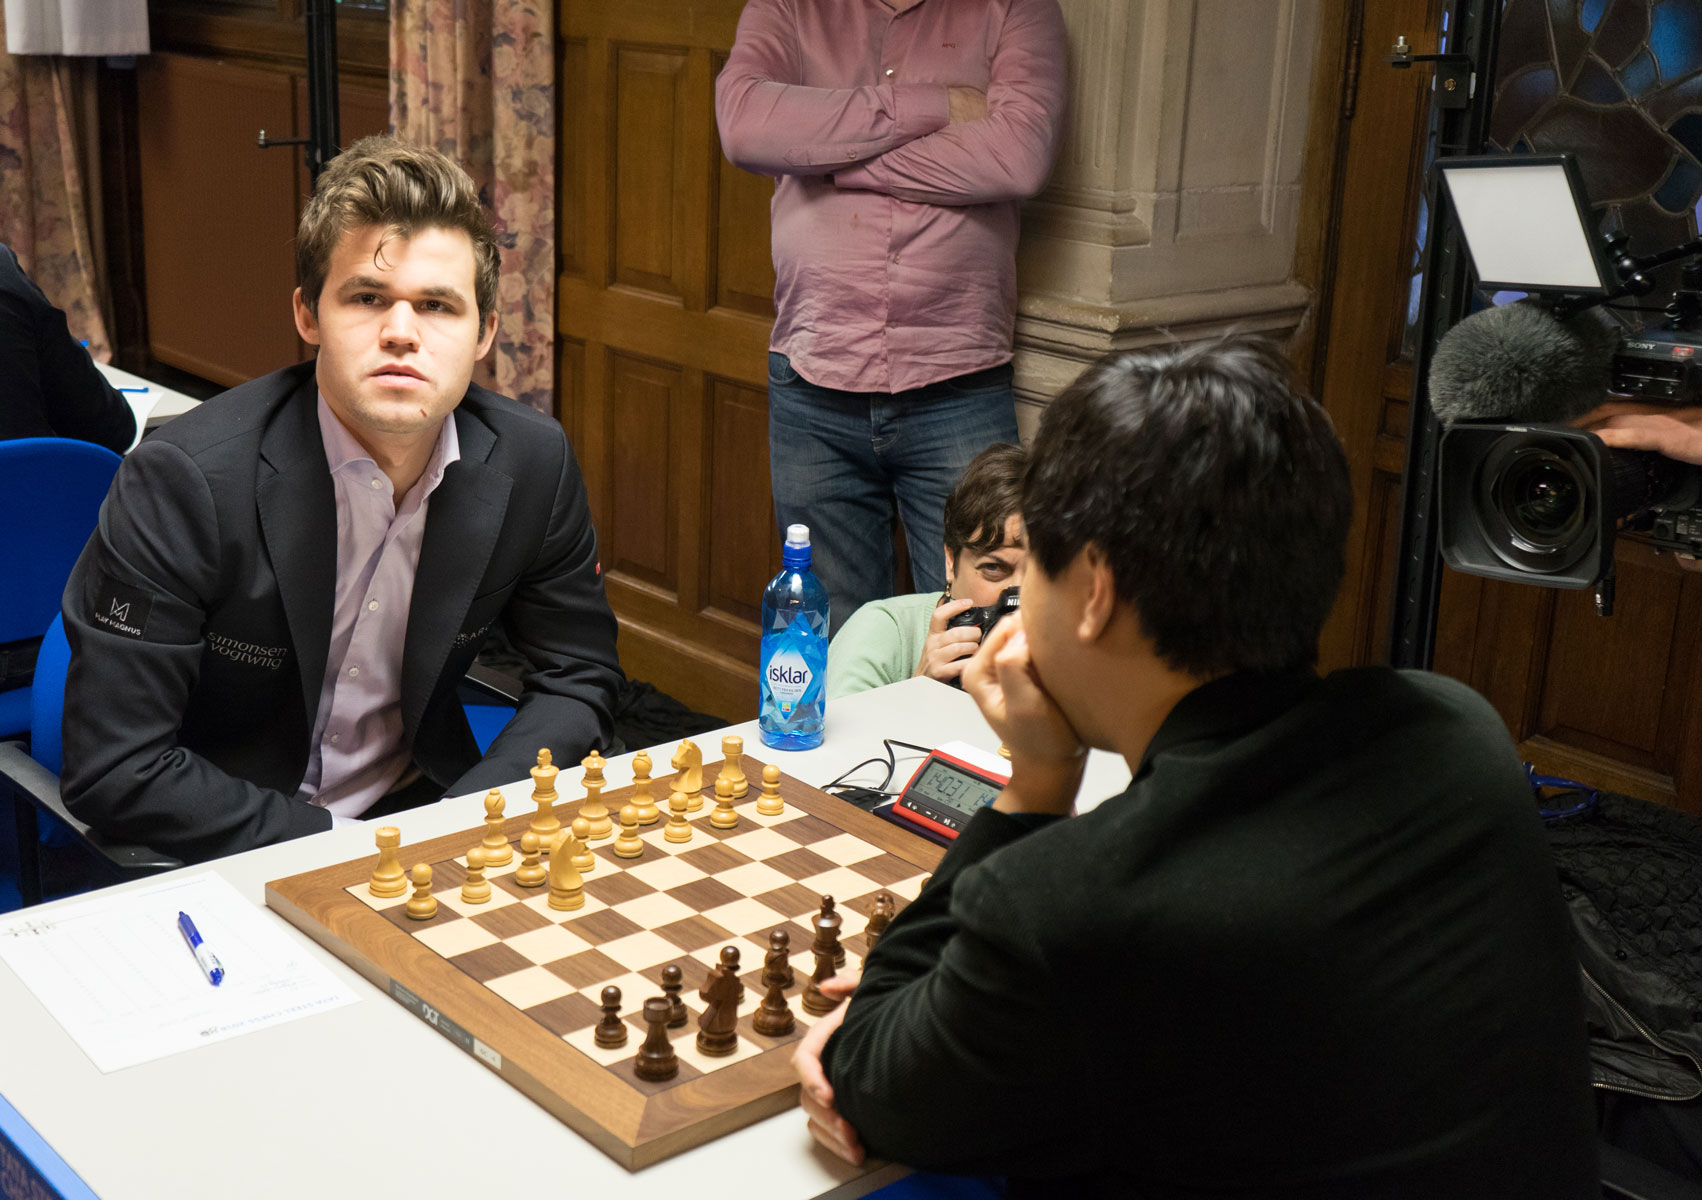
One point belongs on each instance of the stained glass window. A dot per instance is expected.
(1619, 84)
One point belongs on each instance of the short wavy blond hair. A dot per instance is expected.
(404, 189)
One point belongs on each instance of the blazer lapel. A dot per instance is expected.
(298, 522)
(463, 519)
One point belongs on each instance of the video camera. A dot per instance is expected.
(1524, 496)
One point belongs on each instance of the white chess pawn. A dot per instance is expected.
(678, 828)
(769, 804)
(724, 817)
(477, 889)
(584, 862)
(628, 844)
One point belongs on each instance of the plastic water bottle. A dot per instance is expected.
(794, 650)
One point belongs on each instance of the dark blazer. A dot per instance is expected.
(199, 617)
(1316, 950)
(49, 386)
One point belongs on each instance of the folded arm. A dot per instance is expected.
(772, 124)
(1008, 154)
(135, 615)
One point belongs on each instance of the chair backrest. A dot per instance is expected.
(50, 495)
(47, 698)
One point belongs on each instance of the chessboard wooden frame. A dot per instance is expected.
(633, 1127)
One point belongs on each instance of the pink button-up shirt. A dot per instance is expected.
(358, 755)
(894, 230)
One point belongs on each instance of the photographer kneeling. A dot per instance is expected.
(903, 636)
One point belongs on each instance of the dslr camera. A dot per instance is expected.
(988, 615)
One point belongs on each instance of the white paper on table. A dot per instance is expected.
(116, 973)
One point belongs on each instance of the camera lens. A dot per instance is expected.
(1542, 499)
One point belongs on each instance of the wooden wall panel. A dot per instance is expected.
(570, 155)
(218, 217)
(640, 526)
(649, 111)
(744, 553)
(742, 261)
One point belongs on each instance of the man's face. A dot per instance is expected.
(979, 578)
(1051, 617)
(398, 331)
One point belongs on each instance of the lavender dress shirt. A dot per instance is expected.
(894, 230)
(358, 755)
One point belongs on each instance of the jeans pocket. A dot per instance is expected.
(780, 372)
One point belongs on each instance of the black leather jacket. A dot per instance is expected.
(1631, 874)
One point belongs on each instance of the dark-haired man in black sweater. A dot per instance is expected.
(1315, 950)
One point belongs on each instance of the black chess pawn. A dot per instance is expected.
(656, 1058)
(672, 982)
(774, 1017)
(879, 919)
(610, 1033)
(778, 960)
(816, 1003)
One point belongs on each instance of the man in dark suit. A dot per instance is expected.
(269, 625)
(1316, 949)
(49, 386)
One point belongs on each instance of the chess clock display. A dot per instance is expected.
(952, 784)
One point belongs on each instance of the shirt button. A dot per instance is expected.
(372, 606)
(335, 738)
(889, 72)
(376, 485)
(354, 672)
(895, 258)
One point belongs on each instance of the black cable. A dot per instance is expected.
(891, 761)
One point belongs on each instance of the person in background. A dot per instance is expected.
(985, 552)
(288, 583)
(1316, 950)
(903, 136)
(49, 386)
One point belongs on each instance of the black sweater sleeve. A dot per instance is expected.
(945, 1047)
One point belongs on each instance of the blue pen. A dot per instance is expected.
(208, 960)
(140, 389)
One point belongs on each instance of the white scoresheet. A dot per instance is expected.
(116, 973)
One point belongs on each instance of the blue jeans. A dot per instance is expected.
(844, 462)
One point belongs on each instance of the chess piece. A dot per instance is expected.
(498, 853)
(628, 845)
(656, 1058)
(531, 871)
(879, 919)
(567, 889)
(545, 823)
(769, 804)
(476, 889)
(1004, 750)
(815, 1002)
(584, 862)
(688, 760)
(777, 963)
(678, 828)
(733, 766)
(672, 982)
(610, 1033)
(828, 923)
(724, 817)
(641, 798)
(717, 1028)
(774, 1016)
(422, 905)
(388, 878)
(592, 808)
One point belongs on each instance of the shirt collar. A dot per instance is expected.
(1226, 706)
(343, 449)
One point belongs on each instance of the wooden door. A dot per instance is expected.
(665, 302)
(1608, 701)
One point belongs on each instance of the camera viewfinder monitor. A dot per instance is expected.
(1527, 223)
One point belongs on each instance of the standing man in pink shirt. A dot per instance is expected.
(903, 136)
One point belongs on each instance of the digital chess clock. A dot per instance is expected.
(951, 785)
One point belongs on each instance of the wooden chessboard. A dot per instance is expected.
(517, 983)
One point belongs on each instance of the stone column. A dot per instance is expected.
(1174, 204)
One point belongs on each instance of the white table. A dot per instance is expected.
(367, 1101)
(153, 405)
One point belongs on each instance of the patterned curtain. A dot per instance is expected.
(476, 79)
(42, 212)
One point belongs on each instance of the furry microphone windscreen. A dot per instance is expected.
(1521, 364)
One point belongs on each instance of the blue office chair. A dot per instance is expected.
(50, 495)
(29, 774)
